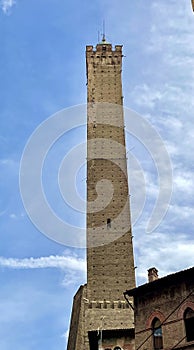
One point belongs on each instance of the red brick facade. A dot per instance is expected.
(170, 302)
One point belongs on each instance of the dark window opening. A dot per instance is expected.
(96, 336)
(93, 340)
(157, 334)
(108, 223)
(189, 324)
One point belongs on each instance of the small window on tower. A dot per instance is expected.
(108, 223)
(104, 48)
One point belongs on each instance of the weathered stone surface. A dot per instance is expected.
(100, 305)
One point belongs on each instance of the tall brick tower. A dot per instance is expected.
(101, 318)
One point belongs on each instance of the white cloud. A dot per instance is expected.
(72, 278)
(184, 181)
(9, 162)
(6, 5)
(182, 212)
(13, 216)
(167, 252)
(60, 262)
(65, 335)
(172, 148)
(164, 96)
(144, 95)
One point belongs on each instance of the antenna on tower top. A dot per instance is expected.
(103, 28)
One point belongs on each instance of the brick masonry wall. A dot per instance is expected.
(87, 316)
(110, 265)
(167, 304)
(76, 325)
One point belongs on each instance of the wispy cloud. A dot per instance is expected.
(6, 5)
(60, 262)
(65, 335)
(167, 252)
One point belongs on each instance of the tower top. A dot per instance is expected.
(103, 41)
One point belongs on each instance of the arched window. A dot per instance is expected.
(189, 324)
(157, 334)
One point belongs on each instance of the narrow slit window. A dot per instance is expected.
(108, 223)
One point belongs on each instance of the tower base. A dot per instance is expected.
(102, 324)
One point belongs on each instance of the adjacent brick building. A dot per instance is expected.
(164, 311)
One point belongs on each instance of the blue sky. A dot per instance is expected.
(42, 70)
